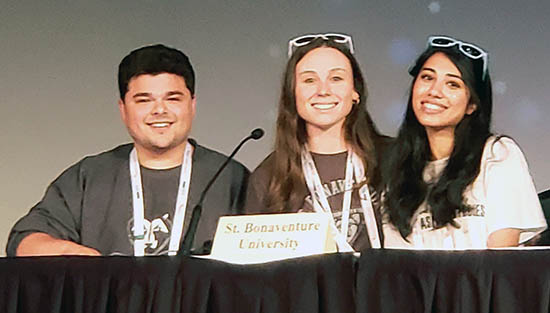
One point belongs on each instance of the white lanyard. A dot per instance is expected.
(320, 202)
(181, 202)
(366, 206)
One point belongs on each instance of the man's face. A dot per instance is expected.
(158, 111)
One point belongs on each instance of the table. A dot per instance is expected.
(454, 281)
(378, 281)
(175, 284)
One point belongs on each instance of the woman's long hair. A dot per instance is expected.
(287, 186)
(403, 171)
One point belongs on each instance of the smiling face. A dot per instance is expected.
(158, 111)
(440, 98)
(324, 89)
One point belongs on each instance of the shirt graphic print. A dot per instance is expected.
(160, 189)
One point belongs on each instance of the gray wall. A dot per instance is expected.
(58, 71)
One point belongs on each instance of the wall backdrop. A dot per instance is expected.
(58, 65)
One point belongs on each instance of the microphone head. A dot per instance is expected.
(257, 133)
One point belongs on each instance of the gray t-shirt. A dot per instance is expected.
(90, 203)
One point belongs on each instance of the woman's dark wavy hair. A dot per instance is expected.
(403, 171)
(287, 185)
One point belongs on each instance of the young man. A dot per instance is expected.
(137, 199)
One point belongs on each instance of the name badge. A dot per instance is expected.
(269, 237)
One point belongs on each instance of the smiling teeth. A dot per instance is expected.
(160, 124)
(324, 106)
(432, 106)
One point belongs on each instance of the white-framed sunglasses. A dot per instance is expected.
(468, 49)
(306, 39)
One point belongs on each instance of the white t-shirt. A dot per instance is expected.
(501, 196)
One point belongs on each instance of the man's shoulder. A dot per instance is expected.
(118, 153)
(210, 157)
(109, 159)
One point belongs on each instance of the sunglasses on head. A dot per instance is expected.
(306, 39)
(468, 49)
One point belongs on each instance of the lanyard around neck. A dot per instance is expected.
(354, 166)
(139, 207)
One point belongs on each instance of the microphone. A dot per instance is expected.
(189, 238)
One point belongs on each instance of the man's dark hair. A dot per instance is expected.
(153, 60)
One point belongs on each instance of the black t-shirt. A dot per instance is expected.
(160, 189)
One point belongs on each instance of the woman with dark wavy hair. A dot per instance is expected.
(449, 182)
(324, 159)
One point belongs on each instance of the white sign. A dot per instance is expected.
(268, 237)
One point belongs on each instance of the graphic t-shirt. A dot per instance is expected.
(160, 189)
(502, 196)
(332, 172)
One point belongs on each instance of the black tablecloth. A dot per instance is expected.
(379, 281)
(453, 281)
(173, 284)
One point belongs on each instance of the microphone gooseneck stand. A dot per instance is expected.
(189, 238)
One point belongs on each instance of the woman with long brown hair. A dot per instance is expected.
(325, 153)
